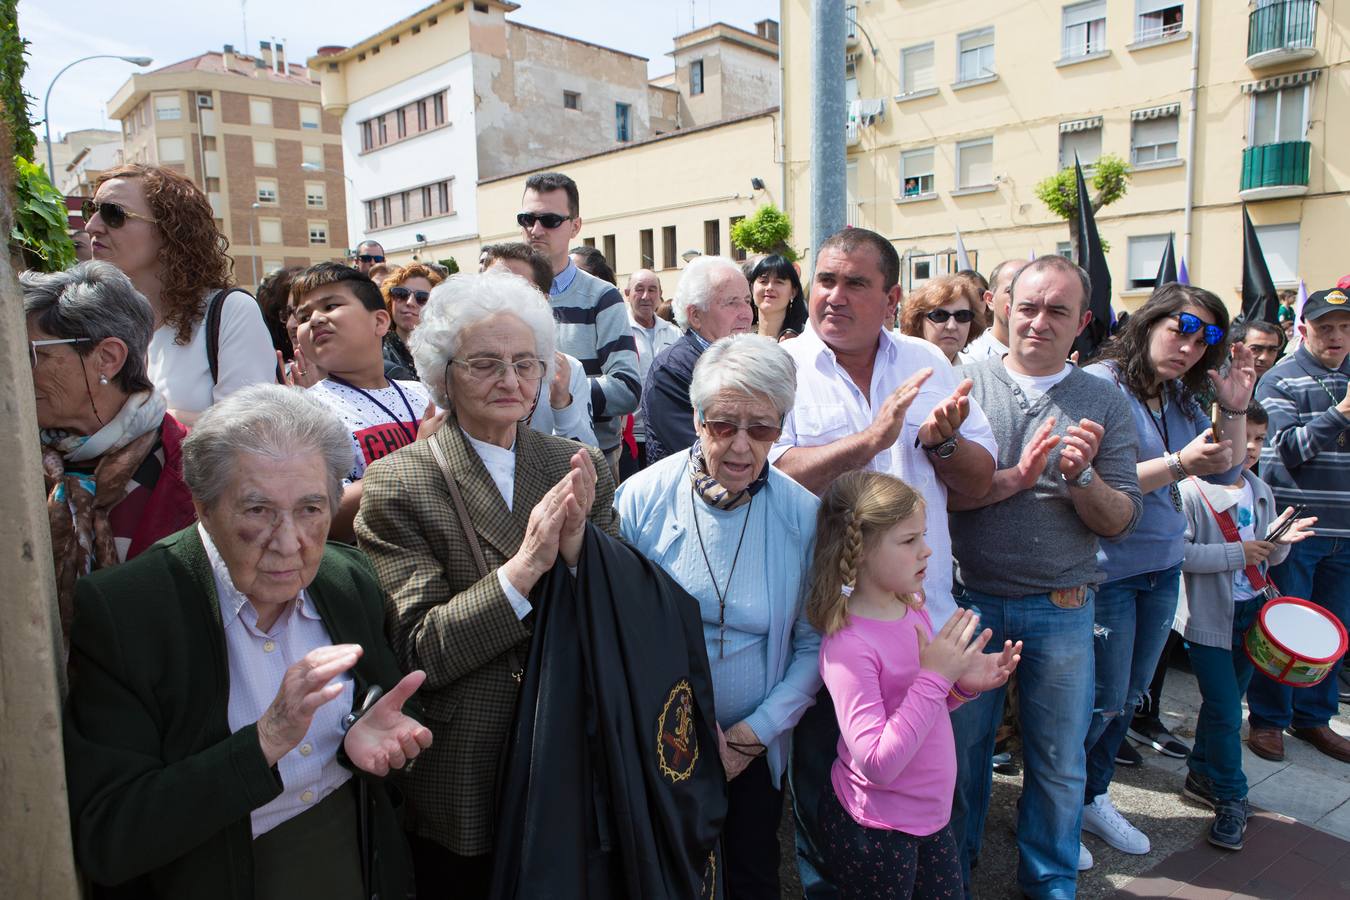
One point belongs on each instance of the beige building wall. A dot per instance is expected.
(1035, 92)
(267, 156)
(665, 183)
(740, 73)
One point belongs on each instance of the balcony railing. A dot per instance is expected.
(1275, 170)
(1281, 29)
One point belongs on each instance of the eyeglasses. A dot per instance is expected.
(403, 294)
(548, 220)
(484, 368)
(370, 258)
(938, 316)
(1189, 323)
(113, 214)
(758, 432)
(51, 342)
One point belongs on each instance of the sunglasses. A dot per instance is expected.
(938, 316)
(113, 215)
(370, 258)
(548, 220)
(720, 429)
(402, 293)
(1188, 323)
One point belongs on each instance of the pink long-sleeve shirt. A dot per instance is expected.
(897, 759)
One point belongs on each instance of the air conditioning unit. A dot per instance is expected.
(204, 101)
(851, 134)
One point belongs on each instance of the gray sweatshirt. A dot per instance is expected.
(1205, 612)
(1034, 542)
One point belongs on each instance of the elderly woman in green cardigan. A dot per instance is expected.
(225, 736)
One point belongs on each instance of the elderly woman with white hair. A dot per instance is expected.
(712, 301)
(227, 728)
(735, 532)
(110, 448)
(460, 528)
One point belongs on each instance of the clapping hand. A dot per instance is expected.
(1080, 445)
(581, 486)
(890, 418)
(991, 670)
(955, 648)
(305, 687)
(1035, 454)
(946, 418)
(385, 737)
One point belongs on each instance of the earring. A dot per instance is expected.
(103, 379)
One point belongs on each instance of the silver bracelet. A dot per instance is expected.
(1174, 466)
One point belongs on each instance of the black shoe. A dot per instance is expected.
(1199, 788)
(1230, 824)
(1153, 733)
(1126, 755)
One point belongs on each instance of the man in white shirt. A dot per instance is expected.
(652, 334)
(870, 398)
(994, 341)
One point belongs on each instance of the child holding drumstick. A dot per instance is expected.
(883, 816)
(1225, 576)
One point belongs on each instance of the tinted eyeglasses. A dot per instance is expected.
(483, 368)
(548, 220)
(939, 316)
(112, 214)
(759, 432)
(403, 294)
(1189, 323)
(370, 258)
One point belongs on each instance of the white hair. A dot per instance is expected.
(461, 302)
(749, 364)
(265, 420)
(696, 285)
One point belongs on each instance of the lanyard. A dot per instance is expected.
(721, 594)
(1231, 535)
(1161, 418)
(408, 432)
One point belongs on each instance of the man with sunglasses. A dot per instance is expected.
(1307, 460)
(342, 315)
(591, 316)
(368, 254)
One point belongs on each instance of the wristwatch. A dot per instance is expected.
(944, 450)
(1084, 478)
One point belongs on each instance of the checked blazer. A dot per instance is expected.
(459, 627)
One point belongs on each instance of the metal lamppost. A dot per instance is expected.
(252, 248)
(141, 61)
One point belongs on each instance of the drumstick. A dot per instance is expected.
(1214, 419)
(1279, 532)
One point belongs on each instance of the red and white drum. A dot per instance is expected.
(1295, 642)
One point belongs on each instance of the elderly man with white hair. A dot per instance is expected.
(711, 302)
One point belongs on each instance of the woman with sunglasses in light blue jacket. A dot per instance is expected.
(1171, 360)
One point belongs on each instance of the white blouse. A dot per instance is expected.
(181, 373)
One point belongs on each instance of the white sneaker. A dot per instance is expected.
(1084, 858)
(1101, 818)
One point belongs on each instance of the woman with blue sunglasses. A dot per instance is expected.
(1170, 360)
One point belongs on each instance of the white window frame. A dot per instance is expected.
(1279, 106)
(1075, 12)
(696, 86)
(906, 158)
(1135, 146)
(315, 112)
(986, 71)
(172, 108)
(270, 152)
(316, 189)
(1135, 275)
(318, 234)
(964, 146)
(1143, 8)
(905, 87)
(267, 190)
(1066, 160)
(255, 104)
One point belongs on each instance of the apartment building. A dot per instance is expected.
(958, 110)
(457, 94)
(250, 131)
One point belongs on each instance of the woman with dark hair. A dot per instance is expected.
(159, 229)
(1170, 357)
(776, 295)
(274, 299)
(591, 260)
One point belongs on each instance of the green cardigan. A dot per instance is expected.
(160, 790)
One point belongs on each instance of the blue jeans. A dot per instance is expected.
(1054, 708)
(1316, 569)
(1133, 616)
(1223, 674)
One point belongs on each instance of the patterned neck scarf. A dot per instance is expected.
(711, 491)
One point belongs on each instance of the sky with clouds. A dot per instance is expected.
(60, 33)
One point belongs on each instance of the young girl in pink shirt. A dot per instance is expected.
(883, 818)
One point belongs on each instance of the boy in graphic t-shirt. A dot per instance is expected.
(342, 315)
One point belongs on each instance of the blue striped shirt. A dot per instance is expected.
(1306, 458)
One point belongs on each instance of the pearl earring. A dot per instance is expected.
(103, 379)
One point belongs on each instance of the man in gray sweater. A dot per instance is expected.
(1027, 558)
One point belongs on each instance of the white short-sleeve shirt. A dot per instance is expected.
(181, 372)
(829, 407)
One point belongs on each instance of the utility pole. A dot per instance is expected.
(828, 117)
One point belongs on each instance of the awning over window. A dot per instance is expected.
(1080, 125)
(1156, 112)
(1293, 79)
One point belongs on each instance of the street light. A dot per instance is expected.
(315, 167)
(141, 61)
(252, 249)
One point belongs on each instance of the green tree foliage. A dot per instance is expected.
(13, 101)
(1109, 182)
(450, 265)
(767, 231)
(40, 226)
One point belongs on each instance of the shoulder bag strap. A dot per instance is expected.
(461, 510)
(1231, 535)
(214, 310)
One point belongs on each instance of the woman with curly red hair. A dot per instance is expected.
(947, 311)
(405, 291)
(159, 229)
